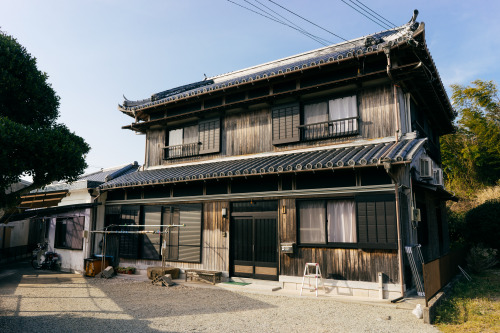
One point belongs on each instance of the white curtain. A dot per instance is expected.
(341, 221)
(191, 134)
(342, 108)
(175, 137)
(315, 113)
(312, 222)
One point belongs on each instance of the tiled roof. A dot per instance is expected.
(318, 159)
(90, 180)
(329, 54)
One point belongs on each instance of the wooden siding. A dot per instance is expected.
(251, 131)
(376, 112)
(348, 264)
(247, 132)
(155, 141)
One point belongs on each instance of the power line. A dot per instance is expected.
(383, 26)
(376, 13)
(311, 22)
(303, 31)
(278, 21)
(326, 40)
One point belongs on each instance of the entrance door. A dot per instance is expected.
(254, 250)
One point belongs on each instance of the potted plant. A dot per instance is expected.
(130, 270)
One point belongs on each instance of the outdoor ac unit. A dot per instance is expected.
(426, 168)
(438, 177)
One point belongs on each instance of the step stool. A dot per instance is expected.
(308, 273)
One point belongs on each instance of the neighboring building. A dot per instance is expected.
(14, 236)
(329, 151)
(62, 214)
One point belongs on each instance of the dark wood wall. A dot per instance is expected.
(250, 131)
(348, 264)
(247, 132)
(376, 112)
(155, 141)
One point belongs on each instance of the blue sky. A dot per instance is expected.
(95, 51)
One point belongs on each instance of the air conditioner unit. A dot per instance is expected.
(426, 168)
(438, 177)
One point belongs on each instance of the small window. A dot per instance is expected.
(69, 233)
(332, 118)
(201, 138)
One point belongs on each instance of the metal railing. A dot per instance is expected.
(330, 129)
(179, 151)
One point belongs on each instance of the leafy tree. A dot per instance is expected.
(31, 142)
(471, 156)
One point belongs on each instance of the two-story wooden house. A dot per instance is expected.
(326, 156)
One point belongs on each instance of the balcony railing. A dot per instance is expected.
(330, 129)
(179, 151)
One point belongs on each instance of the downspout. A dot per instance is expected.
(94, 222)
(387, 51)
(387, 167)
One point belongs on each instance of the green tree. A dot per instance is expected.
(31, 141)
(471, 156)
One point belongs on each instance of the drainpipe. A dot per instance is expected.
(387, 167)
(387, 51)
(94, 222)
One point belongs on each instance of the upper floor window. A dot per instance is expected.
(321, 120)
(200, 138)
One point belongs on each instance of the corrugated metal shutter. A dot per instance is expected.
(286, 119)
(209, 136)
(190, 234)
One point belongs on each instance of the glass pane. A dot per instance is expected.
(315, 113)
(312, 222)
(341, 221)
(151, 242)
(190, 233)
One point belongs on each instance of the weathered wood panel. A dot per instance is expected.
(247, 132)
(155, 141)
(376, 112)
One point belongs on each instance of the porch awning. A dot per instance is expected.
(42, 200)
(276, 163)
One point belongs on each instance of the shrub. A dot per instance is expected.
(483, 224)
(480, 259)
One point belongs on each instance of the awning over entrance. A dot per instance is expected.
(273, 163)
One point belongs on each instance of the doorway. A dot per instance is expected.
(254, 241)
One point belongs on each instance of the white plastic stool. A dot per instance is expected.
(308, 273)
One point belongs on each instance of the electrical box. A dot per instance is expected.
(287, 247)
(416, 215)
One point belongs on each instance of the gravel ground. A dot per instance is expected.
(40, 301)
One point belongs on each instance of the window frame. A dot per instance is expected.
(208, 132)
(326, 126)
(137, 248)
(59, 234)
(385, 197)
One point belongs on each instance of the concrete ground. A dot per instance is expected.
(44, 301)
